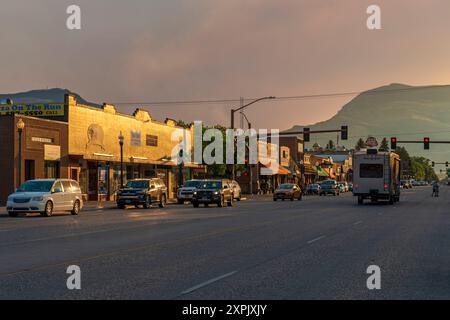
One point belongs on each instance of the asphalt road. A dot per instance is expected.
(319, 248)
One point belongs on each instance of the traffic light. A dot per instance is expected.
(306, 137)
(426, 143)
(446, 164)
(246, 169)
(393, 143)
(344, 132)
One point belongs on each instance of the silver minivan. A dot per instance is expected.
(46, 196)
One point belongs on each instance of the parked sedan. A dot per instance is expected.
(46, 196)
(289, 191)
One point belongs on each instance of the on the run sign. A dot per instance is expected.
(34, 110)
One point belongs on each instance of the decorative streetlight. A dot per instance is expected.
(20, 126)
(121, 138)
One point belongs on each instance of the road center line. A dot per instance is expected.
(204, 284)
(316, 239)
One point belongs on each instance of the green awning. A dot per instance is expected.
(321, 172)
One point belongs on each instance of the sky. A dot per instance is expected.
(174, 50)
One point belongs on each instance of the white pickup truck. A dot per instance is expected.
(376, 176)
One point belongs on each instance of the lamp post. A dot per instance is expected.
(233, 111)
(121, 138)
(20, 126)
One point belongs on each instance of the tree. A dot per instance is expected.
(384, 146)
(360, 144)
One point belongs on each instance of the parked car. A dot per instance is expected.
(313, 188)
(406, 184)
(46, 196)
(237, 192)
(329, 187)
(186, 191)
(143, 192)
(213, 191)
(343, 187)
(289, 191)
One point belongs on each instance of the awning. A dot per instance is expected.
(321, 172)
(281, 171)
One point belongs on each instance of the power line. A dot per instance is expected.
(281, 98)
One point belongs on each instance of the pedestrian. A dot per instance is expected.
(435, 192)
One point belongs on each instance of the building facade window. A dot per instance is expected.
(51, 169)
(151, 140)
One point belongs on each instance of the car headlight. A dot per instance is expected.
(38, 199)
(194, 193)
(10, 199)
(216, 192)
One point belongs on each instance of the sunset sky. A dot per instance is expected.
(155, 50)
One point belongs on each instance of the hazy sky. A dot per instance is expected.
(165, 50)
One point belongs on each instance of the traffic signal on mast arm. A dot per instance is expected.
(393, 143)
(306, 137)
(426, 143)
(344, 132)
(446, 164)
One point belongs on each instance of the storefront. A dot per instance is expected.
(42, 151)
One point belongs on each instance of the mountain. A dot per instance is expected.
(54, 95)
(406, 112)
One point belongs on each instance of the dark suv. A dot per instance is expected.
(213, 191)
(142, 192)
(329, 187)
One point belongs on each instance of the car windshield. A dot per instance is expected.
(36, 186)
(286, 186)
(328, 183)
(192, 184)
(137, 184)
(210, 185)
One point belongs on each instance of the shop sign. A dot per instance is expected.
(52, 152)
(34, 110)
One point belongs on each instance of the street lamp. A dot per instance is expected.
(121, 138)
(20, 126)
(233, 111)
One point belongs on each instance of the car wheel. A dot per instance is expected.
(275, 199)
(180, 201)
(195, 204)
(292, 199)
(12, 214)
(221, 202)
(206, 205)
(230, 203)
(162, 202)
(300, 197)
(239, 198)
(48, 211)
(121, 206)
(76, 208)
(360, 200)
(147, 203)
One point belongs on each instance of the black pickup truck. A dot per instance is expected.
(143, 192)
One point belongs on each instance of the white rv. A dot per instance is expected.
(376, 176)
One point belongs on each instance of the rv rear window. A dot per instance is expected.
(371, 170)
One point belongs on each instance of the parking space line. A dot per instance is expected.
(316, 239)
(204, 284)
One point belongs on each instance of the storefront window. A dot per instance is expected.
(51, 169)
